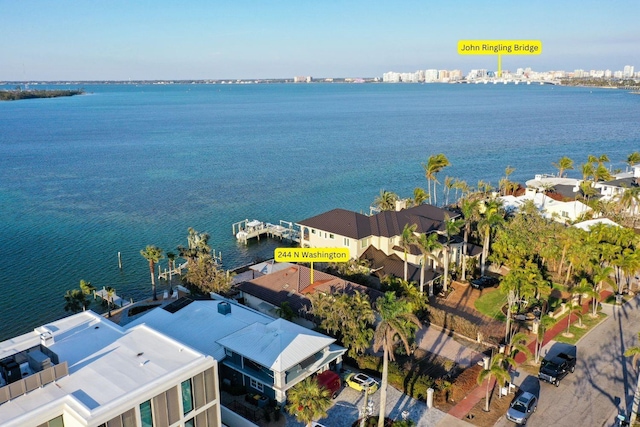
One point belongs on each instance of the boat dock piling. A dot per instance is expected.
(245, 230)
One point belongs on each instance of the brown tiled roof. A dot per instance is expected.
(340, 221)
(428, 218)
(294, 284)
(393, 265)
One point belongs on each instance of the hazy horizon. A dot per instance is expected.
(71, 40)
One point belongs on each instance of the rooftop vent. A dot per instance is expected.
(46, 338)
(224, 308)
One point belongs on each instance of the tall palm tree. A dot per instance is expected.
(419, 196)
(434, 165)
(564, 164)
(452, 228)
(308, 401)
(497, 370)
(633, 158)
(505, 184)
(407, 239)
(545, 323)
(492, 217)
(153, 254)
(386, 200)
(469, 209)
(396, 322)
(427, 243)
(635, 353)
(172, 263)
(86, 287)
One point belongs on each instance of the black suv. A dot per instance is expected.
(484, 282)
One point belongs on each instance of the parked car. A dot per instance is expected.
(331, 381)
(362, 382)
(553, 369)
(522, 407)
(484, 282)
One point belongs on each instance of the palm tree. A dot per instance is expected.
(448, 185)
(434, 164)
(172, 263)
(495, 369)
(635, 353)
(564, 164)
(427, 243)
(633, 158)
(308, 401)
(386, 201)
(491, 218)
(518, 343)
(469, 209)
(87, 289)
(407, 239)
(153, 254)
(74, 300)
(452, 228)
(396, 322)
(505, 184)
(110, 293)
(545, 323)
(419, 196)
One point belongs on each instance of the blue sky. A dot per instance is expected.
(219, 39)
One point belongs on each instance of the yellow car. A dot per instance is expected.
(362, 382)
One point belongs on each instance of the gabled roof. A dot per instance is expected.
(350, 224)
(278, 345)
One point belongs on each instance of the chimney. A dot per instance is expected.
(46, 338)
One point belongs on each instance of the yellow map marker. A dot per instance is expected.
(311, 255)
(499, 47)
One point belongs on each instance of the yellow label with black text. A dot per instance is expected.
(499, 47)
(311, 254)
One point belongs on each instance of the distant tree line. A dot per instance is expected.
(18, 93)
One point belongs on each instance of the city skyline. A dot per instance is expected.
(73, 40)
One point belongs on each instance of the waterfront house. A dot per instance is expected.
(257, 353)
(291, 283)
(84, 370)
(378, 237)
(548, 207)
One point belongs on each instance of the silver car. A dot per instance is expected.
(522, 407)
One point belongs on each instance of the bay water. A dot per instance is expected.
(124, 166)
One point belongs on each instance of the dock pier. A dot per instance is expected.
(254, 229)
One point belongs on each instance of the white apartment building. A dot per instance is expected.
(86, 371)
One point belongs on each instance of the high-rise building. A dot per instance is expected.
(628, 71)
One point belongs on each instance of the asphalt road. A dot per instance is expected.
(604, 381)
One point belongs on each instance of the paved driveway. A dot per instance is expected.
(345, 409)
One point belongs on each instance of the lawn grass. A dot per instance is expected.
(490, 304)
(577, 332)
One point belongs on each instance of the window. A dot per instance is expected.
(187, 397)
(190, 423)
(313, 231)
(331, 236)
(145, 414)
(56, 422)
(255, 384)
(346, 241)
(565, 214)
(365, 243)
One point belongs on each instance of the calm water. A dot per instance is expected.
(122, 167)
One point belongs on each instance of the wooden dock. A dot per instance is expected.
(114, 298)
(177, 271)
(254, 229)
